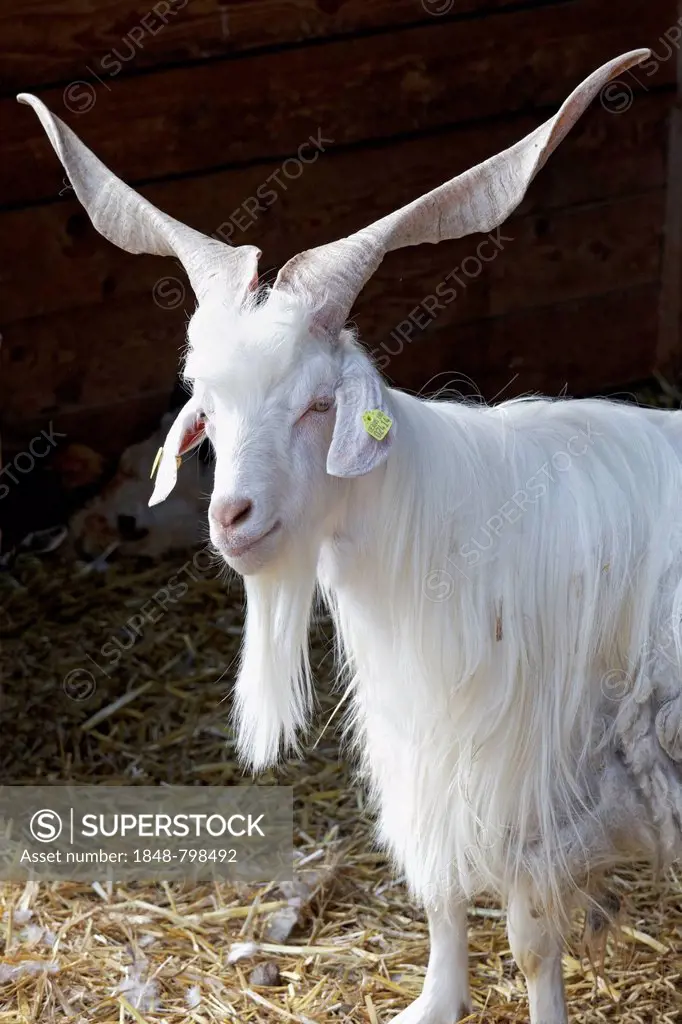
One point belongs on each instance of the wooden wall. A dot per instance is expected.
(197, 103)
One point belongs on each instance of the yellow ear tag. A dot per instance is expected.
(157, 460)
(377, 423)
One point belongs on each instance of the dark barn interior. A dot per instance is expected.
(286, 124)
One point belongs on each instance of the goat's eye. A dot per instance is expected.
(321, 405)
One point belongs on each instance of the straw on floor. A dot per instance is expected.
(343, 944)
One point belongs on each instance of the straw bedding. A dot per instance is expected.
(343, 944)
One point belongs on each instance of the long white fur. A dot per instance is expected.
(275, 647)
(482, 641)
(481, 714)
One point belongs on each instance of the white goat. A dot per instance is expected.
(506, 582)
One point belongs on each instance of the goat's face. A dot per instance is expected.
(270, 420)
(266, 394)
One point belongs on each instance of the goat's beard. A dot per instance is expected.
(274, 694)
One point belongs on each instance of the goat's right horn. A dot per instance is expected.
(131, 222)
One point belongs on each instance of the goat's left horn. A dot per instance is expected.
(478, 200)
(131, 222)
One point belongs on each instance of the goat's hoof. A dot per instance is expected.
(423, 1011)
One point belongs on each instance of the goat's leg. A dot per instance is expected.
(537, 946)
(445, 997)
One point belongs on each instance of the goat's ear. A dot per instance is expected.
(186, 433)
(365, 426)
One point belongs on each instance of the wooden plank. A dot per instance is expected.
(91, 357)
(109, 429)
(535, 261)
(585, 346)
(184, 120)
(53, 259)
(96, 354)
(52, 41)
(669, 345)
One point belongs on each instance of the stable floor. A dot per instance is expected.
(344, 944)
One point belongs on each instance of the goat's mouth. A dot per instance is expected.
(241, 550)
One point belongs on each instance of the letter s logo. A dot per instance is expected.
(46, 826)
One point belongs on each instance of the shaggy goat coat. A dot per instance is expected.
(506, 589)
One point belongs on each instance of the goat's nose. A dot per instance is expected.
(232, 512)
